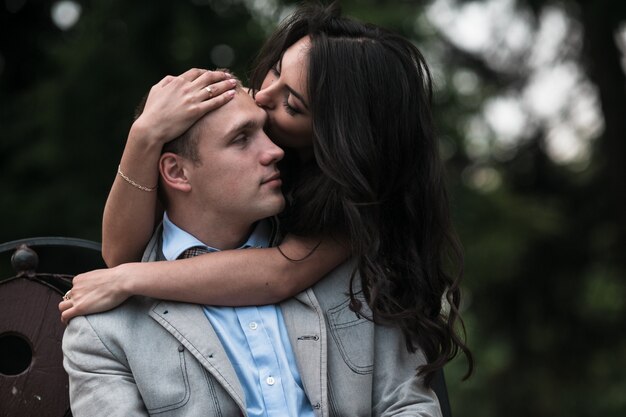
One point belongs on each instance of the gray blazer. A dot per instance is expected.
(163, 358)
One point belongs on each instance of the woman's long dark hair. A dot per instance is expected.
(377, 175)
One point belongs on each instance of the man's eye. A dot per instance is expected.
(241, 140)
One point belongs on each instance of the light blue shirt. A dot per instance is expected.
(254, 338)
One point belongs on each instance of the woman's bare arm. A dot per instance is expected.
(129, 213)
(228, 278)
(172, 106)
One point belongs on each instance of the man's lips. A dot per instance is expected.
(273, 178)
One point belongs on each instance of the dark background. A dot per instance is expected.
(538, 194)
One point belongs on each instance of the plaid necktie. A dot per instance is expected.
(193, 251)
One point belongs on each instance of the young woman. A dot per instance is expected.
(350, 103)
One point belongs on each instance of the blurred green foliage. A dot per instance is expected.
(545, 261)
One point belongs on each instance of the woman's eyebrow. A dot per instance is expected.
(291, 90)
(297, 95)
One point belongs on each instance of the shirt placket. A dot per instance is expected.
(262, 349)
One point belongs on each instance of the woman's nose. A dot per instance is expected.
(264, 98)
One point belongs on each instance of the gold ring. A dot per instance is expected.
(210, 90)
(68, 295)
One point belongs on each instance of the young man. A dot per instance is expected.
(219, 181)
(152, 357)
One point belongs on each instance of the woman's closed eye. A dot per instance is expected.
(289, 108)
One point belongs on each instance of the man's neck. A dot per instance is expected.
(220, 234)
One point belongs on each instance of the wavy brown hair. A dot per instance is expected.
(377, 175)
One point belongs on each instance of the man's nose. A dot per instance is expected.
(272, 152)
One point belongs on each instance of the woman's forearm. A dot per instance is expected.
(129, 213)
(238, 277)
(229, 278)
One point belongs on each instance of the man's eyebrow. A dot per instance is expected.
(244, 125)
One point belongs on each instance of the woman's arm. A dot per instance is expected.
(231, 278)
(172, 106)
(129, 213)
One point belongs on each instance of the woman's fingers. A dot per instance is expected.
(192, 74)
(204, 84)
(213, 90)
(213, 83)
(210, 77)
(216, 102)
(166, 80)
(64, 306)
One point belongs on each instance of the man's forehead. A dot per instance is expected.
(240, 109)
(241, 100)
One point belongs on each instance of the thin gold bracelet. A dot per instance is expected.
(133, 183)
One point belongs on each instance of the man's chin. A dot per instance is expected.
(275, 207)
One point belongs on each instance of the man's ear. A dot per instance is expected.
(172, 168)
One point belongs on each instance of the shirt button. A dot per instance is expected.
(253, 325)
(270, 380)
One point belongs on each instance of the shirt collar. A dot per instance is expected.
(176, 240)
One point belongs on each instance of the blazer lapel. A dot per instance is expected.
(188, 324)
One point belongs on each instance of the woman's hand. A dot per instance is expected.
(176, 103)
(95, 291)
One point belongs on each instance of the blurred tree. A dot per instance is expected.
(68, 96)
(545, 239)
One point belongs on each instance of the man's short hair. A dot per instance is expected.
(185, 145)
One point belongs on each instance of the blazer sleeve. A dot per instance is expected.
(397, 390)
(100, 383)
